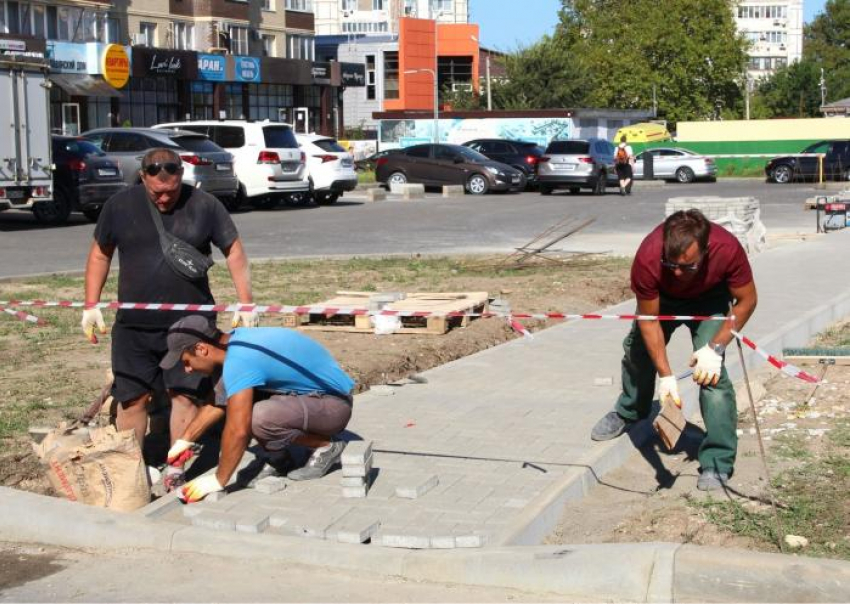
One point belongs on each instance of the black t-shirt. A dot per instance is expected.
(125, 222)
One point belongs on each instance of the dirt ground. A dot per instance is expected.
(806, 432)
(52, 374)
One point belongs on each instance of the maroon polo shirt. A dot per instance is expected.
(725, 262)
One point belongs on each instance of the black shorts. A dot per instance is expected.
(136, 354)
(624, 171)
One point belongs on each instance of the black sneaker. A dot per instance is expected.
(320, 462)
(610, 426)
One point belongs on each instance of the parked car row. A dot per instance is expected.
(829, 158)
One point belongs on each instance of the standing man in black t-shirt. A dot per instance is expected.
(139, 336)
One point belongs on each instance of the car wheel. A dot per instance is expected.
(397, 178)
(477, 184)
(545, 189)
(55, 211)
(92, 214)
(685, 175)
(300, 198)
(326, 199)
(782, 174)
(266, 202)
(846, 175)
(599, 185)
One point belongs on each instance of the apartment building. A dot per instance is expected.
(197, 59)
(381, 17)
(774, 29)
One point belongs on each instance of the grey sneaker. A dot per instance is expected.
(319, 463)
(263, 466)
(710, 480)
(610, 426)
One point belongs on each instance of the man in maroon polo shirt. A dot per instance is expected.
(686, 266)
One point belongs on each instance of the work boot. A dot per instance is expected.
(710, 480)
(320, 463)
(610, 426)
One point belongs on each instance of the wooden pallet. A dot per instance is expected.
(438, 302)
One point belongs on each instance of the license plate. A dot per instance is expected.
(347, 163)
(515, 178)
(223, 167)
(290, 166)
(107, 172)
(15, 193)
(565, 166)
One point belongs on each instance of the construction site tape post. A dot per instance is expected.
(512, 318)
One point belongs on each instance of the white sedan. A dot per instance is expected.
(676, 163)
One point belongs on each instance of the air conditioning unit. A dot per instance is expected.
(138, 40)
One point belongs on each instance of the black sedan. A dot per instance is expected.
(438, 165)
(521, 155)
(82, 180)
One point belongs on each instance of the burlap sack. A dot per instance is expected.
(100, 467)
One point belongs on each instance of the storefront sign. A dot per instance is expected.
(246, 69)
(321, 73)
(157, 62)
(115, 66)
(353, 74)
(66, 57)
(212, 67)
(14, 45)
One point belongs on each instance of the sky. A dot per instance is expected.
(509, 24)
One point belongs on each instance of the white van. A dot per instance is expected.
(266, 158)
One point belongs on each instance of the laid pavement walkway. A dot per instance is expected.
(504, 433)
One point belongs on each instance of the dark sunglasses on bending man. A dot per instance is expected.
(170, 167)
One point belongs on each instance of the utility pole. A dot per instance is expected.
(489, 90)
(822, 88)
(654, 103)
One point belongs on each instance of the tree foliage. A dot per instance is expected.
(792, 91)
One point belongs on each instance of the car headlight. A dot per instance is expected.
(494, 171)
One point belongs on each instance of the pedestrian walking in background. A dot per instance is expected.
(686, 266)
(624, 158)
(130, 223)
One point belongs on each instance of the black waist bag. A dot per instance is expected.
(183, 258)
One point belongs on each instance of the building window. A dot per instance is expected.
(202, 101)
(234, 101)
(377, 4)
(300, 47)
(370, 77)
(391, 75)
(443, 6)
(238, 39)
(364, 27)
(266, 100)
(147, 33)
(410, 8)
(268, 5)
(149, 101)
(349, 5)
(268, 41)
(300, 5)
(763, 12)
(184, 36)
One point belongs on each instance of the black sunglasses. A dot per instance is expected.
(170, 167)
(688, 268)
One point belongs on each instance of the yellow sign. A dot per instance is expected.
(115, 65)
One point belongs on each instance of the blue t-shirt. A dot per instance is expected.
(283, 360)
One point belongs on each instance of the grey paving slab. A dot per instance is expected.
(507, 430)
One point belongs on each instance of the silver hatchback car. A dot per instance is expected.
(669, 163)
(205, 164)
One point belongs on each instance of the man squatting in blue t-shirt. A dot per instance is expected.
(276, 385)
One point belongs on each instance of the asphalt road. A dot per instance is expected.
(493, 223)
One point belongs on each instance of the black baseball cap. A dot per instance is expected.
(184, 334)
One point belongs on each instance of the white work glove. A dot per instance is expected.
(180, 452)
(707, 365)
(245, 318)
(92, 318)
(669, 387)
(199, 488)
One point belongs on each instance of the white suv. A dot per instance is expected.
(267, 160)
(330, 169)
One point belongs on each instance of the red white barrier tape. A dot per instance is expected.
(22, 316)
(786, 368)
(349, 310)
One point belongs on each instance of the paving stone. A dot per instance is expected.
(352, 481)
(443, 541)
(417, 486)
(256, 522)
(214, 497)
(192, 510)
(358, 471)
(358, 452)
(314, 526)
(217, 521)
(358, 526)
(279, 519)
(270, 485)
(471, 540)
(405, 540)
(355, 492)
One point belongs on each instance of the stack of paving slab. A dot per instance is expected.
(741, 216)
(356, 469)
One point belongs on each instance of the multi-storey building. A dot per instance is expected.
(377, 17)
(774, 29)
(197, 59)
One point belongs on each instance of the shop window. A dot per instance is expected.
(149, 101)
(202, 100)
(370, 77)
(391, 75)
(265, 100)
(234, 105)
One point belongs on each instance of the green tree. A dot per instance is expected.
(687, 51)
(792, 91)
(826, 43)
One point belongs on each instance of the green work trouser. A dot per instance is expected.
(717, 403)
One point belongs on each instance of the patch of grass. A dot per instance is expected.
(813, 499)
(366, 177)
(835, 336)
(791, 446)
